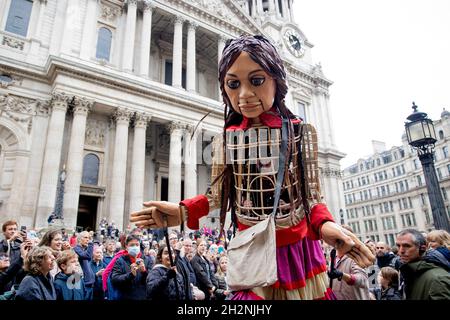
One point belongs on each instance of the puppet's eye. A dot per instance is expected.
(233, 84)
(257, 81)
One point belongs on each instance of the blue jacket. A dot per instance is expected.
(69, 289)
(160, 287)
(85, 257)
(36, 287)
(131, 287)
(98, 285)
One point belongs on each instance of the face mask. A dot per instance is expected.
(133, 251)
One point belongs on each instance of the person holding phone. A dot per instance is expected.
(13, 239)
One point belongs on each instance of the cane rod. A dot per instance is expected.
(172, 264)
(333, 258)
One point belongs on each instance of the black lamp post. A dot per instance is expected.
(58, 213)
(422, 136)
(341, 213)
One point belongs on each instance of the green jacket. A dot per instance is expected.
(427, 279)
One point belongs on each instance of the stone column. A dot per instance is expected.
(190, 163)
(16, 198)
(89, 29)
(146, 38)
(177, 60)
(58, 27)
(272, 6)
(117, 198)
(254, 8)
(291, 11)
(138, 162)
(39, 130)
(72, 13)
(191, 69)
(176, 131)
(277, 9)
(284, 8)
(128, 45)
(220, 47)
(260, 8)
(52, 157)
(39, 8)
(329, 119)
(74, 167)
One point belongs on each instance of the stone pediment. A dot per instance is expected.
(223, 12)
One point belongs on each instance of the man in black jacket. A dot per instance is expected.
(185, 268)
(385, 258)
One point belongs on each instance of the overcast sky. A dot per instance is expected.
(381, 56)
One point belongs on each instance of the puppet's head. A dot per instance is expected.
(261, 51)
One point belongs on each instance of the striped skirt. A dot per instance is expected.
(302, 275)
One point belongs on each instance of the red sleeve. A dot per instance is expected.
(319, 215)
(197, 207)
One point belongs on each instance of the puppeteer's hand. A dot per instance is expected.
(347, 243)
(152, 216)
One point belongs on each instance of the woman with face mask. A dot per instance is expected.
(130, 271)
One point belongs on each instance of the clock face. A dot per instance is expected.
(294, 43)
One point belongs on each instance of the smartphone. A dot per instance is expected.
(23, 228)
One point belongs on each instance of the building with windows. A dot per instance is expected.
(386, 192)
(110, 91)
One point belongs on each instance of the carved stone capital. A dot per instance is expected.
(82, 105)
(178, 20)
(60, 100)
(192, 25)
(141, 120)
(132, 2)
(148, 5)
(175, 127)
(122, 115)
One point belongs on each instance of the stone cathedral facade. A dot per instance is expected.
(104, 95)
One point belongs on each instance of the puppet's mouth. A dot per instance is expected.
(249, 105)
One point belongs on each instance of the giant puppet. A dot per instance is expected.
(253, 84)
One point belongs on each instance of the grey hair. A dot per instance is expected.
(418, 238)
(82, 234)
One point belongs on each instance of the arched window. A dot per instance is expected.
(91, 164)
(441, 134)
(104, 43)
(19, 17)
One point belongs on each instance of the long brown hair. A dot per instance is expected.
(263, 52)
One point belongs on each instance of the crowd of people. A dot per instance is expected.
(138, 265)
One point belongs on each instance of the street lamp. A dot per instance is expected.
(422, 137)
(58, 213)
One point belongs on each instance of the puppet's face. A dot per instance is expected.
(250, 89)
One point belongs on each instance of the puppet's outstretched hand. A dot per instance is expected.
(347, 243)
(152, 215)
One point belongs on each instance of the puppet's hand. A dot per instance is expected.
(154, 214)
(347, 243)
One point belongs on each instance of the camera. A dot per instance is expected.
(139, 261)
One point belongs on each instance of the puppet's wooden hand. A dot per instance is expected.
(154, 213)
(347, 243)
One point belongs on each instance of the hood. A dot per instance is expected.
(437, 258)
(159, 266)
(61, 276)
